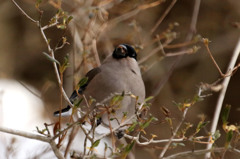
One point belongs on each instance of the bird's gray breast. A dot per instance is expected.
(116, 77)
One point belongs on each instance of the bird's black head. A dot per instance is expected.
(123, 51)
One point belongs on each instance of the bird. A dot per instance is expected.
(118, 73)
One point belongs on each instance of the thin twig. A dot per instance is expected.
(35, 137)
(24, 13)
(156, 50)
(183, 52)
(223, 92)
(50, 50)
(50, 25)
(196, 152)
(133, 13)
(179, 45)
(163, 16)
(210, 54)
(25, 134)
(229, 72)
(151, 141)
(56, 151)
(174, 134)
(236, 151)
(30, 90)
(190, 34)
(95, 52)
(193, 25)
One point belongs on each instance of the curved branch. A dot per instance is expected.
(28, 135)
(223, 92)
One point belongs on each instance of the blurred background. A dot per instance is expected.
(102, 25)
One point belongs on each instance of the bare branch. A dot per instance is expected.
(163, 16)
(30, 90)
(56, 151)
(196, 152)
(230, 70)
(183, 52)
(174, 134)
(34, 136)
(50, 50)
(162, 82)
(95, 52)
(151, 141)
(50, 25)
(24, 13)
(206, 42)
(25, 134)
(133, 12)
(223, 92)
(193, 25)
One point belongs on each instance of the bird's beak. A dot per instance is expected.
(121, 50)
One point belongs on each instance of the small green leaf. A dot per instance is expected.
(169, 120)
(174, 144)
(201, 125)
(82, 82)
(225, 113)
(146, 124)
(95, 144)
(61, 26)
(52, 20)
(129, 147)
(148, 98)
(105, 146)
(181, 144)
(60, 13)
(65, 64)
(197, 98)
(179, 105)
(51, 58)
(69, 19)
(91, 100)
(216, 135)
(64, 40)
(132, 127)
(228, 138)
(38, 2)
(116, 100)
(111, 119)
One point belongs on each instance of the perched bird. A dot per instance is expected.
(118, 73)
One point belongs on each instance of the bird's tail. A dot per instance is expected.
(64, 112)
